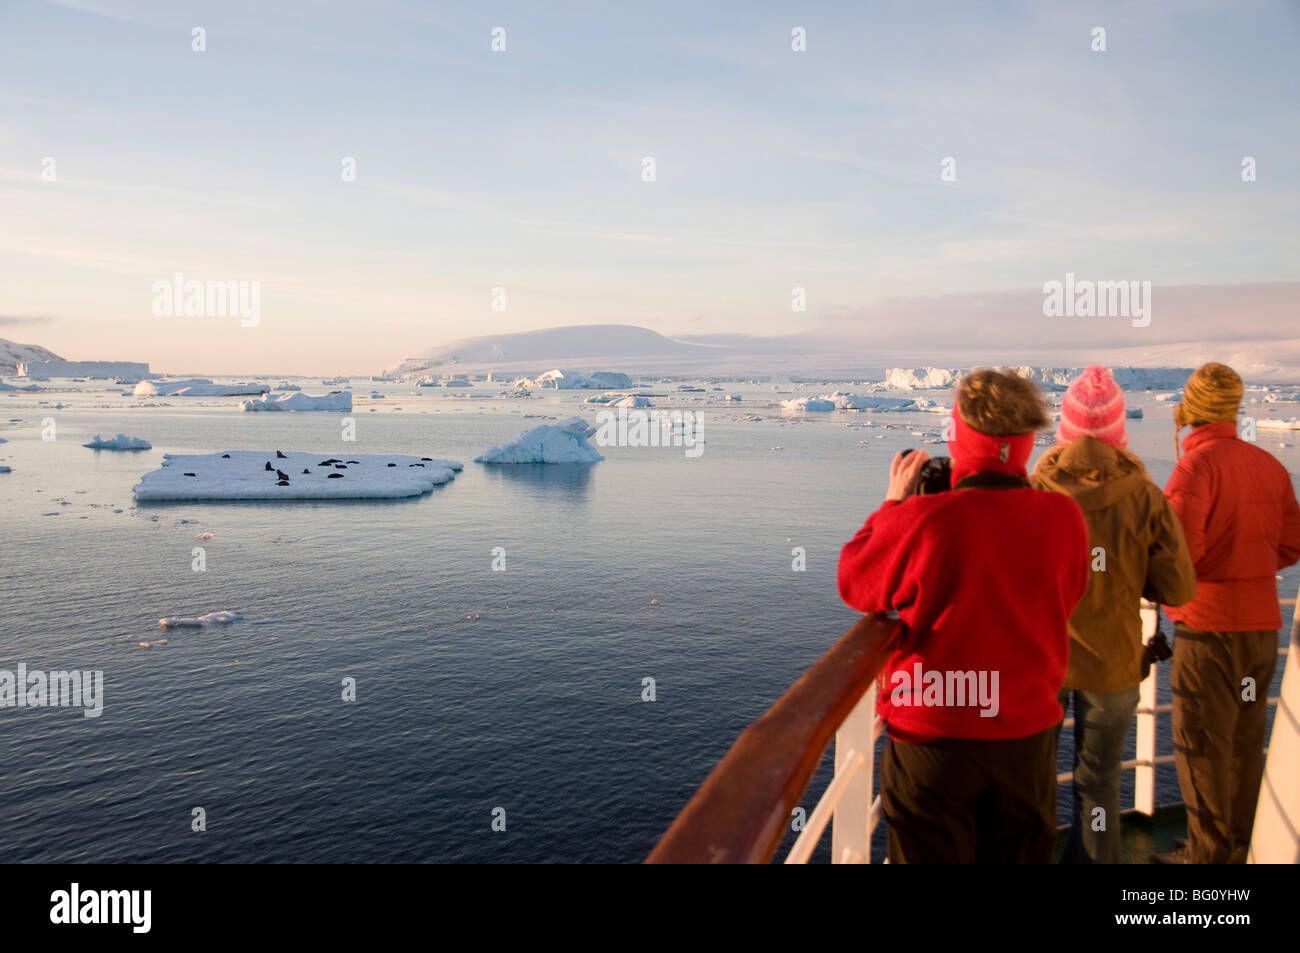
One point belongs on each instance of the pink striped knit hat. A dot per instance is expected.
(1093, 406)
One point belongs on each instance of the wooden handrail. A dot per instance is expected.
(742, 810)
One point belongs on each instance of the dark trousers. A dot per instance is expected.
(967, 800)
(1101, 724)
(1219, 736)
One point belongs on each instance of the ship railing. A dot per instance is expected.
(750, 800)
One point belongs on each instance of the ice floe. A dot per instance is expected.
(808, 403)
(120, 442)
(1289, 424)
(1052, 378)
(196, 387)
(270, 475)
(575, 380)
(333, 401)
(198, 622)
(563, 442)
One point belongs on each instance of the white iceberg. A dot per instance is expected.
(808, 403)
(196, 387)
(575, 380)
(633, 400)
(244, 475)
(1289, 424)
(564, 442)
(45, 369)
(1052, 378)
(120, 442)
(333, 401)
(844, 401)
(921, 378)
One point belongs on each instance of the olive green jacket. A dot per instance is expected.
(1137, 549)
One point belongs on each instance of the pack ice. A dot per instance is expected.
(564, 442)
(120, 442)
(335, 400)
(272, 475)
(196, 387)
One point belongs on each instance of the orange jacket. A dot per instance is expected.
(1242, 525)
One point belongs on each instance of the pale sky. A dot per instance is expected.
(522, 169)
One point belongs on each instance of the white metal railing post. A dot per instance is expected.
(851, 826)
(1144, 773)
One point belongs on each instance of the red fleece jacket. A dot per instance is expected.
(985, 580)
(1242, 525)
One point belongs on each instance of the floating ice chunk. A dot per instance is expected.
(1170, 398)
(570, 380)
(6, 470)
(1290, 424)
(333, 401)
(564, 442)
(196, 387)
(863, 402)
(1133, 413)
(633, 400)
(243, 475)
(808, 403)
(198, 622)
(120, 442)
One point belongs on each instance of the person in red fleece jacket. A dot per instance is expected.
(1242, 524)
(984, 577)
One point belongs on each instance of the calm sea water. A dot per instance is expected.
(476, 689)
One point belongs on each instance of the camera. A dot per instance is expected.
(1156, 650)
(935, 477)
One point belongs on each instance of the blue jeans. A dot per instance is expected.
(1101, 723)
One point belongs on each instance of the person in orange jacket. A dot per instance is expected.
(1242, 524)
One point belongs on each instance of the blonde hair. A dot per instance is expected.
(1001, 403)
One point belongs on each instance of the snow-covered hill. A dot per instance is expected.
(11, 354)
(586, 347)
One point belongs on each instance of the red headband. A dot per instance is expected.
(974, 452)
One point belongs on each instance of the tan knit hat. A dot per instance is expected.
(1213, 394)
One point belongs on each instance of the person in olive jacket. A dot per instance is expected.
(1137, 549)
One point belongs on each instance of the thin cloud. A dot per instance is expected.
(9, 320)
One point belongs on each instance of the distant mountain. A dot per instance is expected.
(11, 354)
(821, 354)
(585, 346)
